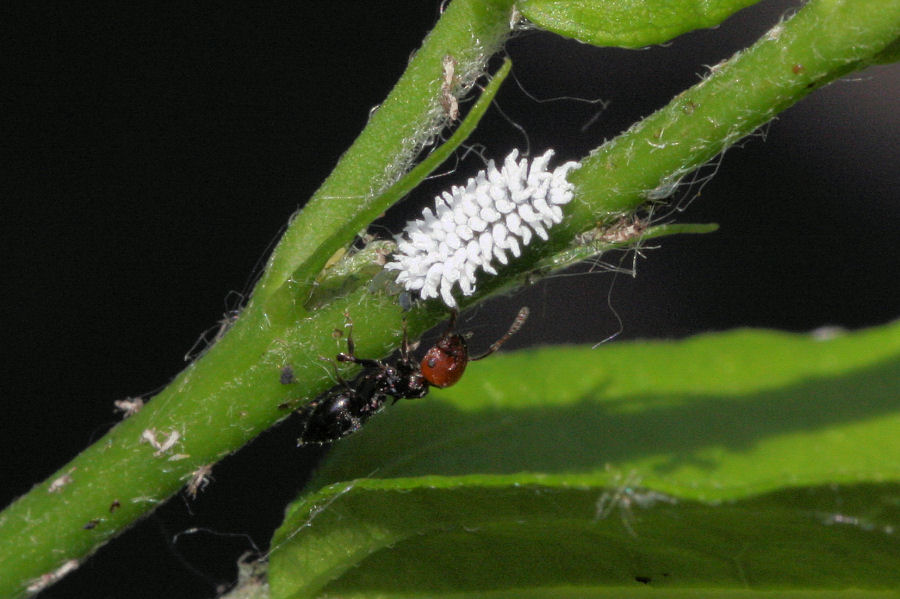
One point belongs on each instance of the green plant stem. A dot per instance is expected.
(301, 282)
(233, 392)
(469, 30)
(823, 41)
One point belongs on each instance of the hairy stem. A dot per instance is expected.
(233, 392)
(823, 41)
(470, 31)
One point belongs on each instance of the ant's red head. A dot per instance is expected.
(445, 363)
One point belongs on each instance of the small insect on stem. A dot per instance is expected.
(344, 409)
(199, 480)
(448, 99)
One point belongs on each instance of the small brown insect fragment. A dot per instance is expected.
(448, 100)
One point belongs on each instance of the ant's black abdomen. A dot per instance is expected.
(333, 415)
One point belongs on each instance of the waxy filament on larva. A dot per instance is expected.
(498, 210)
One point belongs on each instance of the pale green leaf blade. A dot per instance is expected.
(435, 537)
(748, 459)
(627, 23)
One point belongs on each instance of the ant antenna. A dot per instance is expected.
(451, 326)
(513, 329)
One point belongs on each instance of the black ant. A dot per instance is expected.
(344, 409)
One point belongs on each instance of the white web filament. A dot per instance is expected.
(497, 211)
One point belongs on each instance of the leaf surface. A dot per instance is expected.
(740, 461)
(627, 23)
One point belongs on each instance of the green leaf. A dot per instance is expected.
(743, 460)
(398, 190)
(406, 122)
(888, 55)
(627, 23)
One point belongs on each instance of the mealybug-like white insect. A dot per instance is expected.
(473, 225)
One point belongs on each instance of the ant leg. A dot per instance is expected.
(513, 329)
(451, 326)
(350, 356)
(404, 344)
(337, 374)
(350, 345)
(364, 362)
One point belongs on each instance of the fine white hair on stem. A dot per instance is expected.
(497, 211)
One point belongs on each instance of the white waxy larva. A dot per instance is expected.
(496, 212)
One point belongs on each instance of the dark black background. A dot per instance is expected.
(152, 155)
